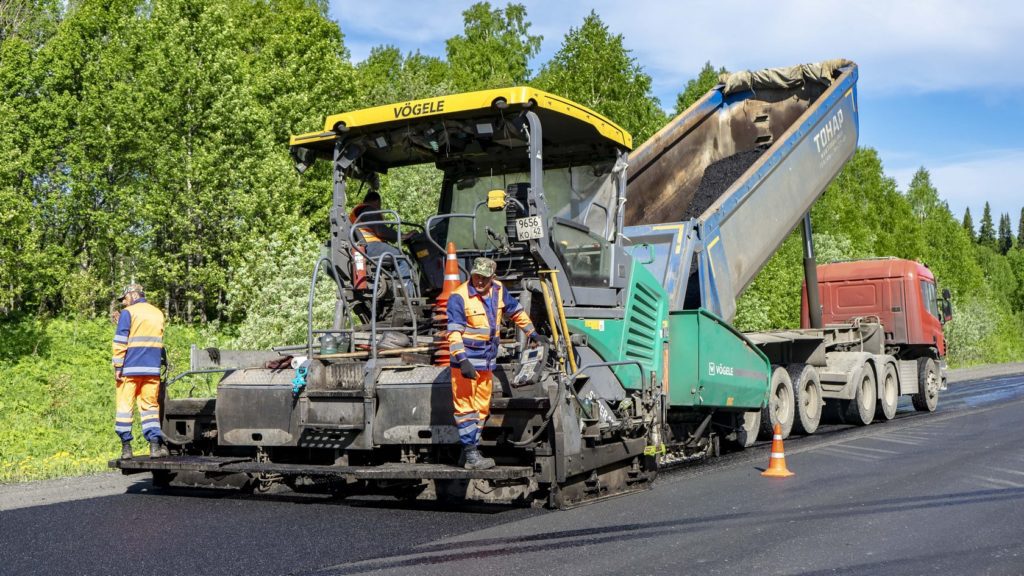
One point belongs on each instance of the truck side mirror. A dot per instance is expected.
(946, 295)
(947, 308)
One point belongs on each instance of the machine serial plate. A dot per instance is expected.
(529, 228)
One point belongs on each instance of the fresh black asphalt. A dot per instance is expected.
(924, 494)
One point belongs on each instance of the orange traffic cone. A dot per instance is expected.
(442, 356)
(451, 273)
(777, 464)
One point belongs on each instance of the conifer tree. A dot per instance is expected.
(987, 232)
(1005, 234)
(969, 224)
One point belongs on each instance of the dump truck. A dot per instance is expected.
(630, 261)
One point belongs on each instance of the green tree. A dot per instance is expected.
(1020, 231)
(968, 224)
(158, 142)
(386, 76)
(594, 68)
(495, 48)
(697, 87)
(1005, 241)
(987, 232)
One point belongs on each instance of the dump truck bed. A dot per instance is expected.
(728, 179)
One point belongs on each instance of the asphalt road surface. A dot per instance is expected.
(932, 494)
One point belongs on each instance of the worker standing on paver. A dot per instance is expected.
(138, 357)
(475, 310)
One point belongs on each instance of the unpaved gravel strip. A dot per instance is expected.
(43, 492)
(987, 371)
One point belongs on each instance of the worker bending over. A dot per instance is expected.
(475, 310)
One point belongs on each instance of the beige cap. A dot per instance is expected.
(137, 288)
(484, 267)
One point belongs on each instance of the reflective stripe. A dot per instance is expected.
(146, 413)
(118, 361)
(778, 455)
(467, 416)
(529, 329)
(137, 339)
(777, 437)
(452, 327)
(127, 415)
(150, 426)
(478, 331)
(457, 347)
(141, 371)
(452, 277)
(120, 339)
(119, 427)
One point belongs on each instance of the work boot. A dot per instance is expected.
(474, 460)
(157, 449)
(126, 450)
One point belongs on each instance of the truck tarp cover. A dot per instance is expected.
(783, 78)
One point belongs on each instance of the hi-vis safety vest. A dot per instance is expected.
(139, 340)
(474, 320)
(366, 231)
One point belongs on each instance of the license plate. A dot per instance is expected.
(529, 228)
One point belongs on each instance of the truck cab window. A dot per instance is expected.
(928, 296)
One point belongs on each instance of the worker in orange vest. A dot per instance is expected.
(475, 311)
(378, 237)
(138, 356)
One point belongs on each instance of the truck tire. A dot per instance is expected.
(927, 397)
(890, 394)
(746, 434)
(781, 404)
(806, 397)
(861, 410)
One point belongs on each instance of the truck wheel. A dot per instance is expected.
(927, 397)
(861, 410)
(746, 434)
(780, 409)
(890, 395)
(807, 398)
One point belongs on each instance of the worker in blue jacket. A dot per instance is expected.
(475, 310)
(137, 359)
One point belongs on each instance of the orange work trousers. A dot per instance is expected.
(146, 391)
(472, 399)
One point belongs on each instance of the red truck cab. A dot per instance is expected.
(901, 293)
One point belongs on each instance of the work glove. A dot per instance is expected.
(466, 367)
(539, 338)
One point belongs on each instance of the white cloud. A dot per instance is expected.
(919, 46)
(970, 182)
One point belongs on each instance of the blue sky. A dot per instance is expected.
(941, 82)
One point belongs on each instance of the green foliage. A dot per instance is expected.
(151, 144)
(1005, 241)
(494, 49)
(968, 225)
(271, 289)
(57, 398)
(987, 233)
(386, 77)
(697, 87)
(594, 68)
(1020, 231)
